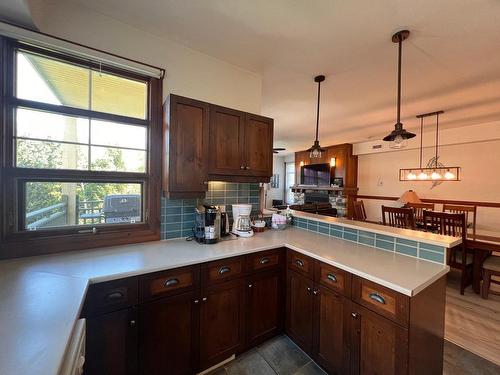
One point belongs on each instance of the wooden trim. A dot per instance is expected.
(429, 200)
(18, 244)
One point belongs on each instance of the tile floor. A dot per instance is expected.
(281, 356)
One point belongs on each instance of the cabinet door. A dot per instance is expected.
(111, 343)
(167, 335)
(300, 310)
(264, 307)
(221, 322)
(226, 141)
(187, 134)
(378, 345)
(258, 145)
(331, 331)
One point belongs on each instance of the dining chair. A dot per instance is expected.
(491, 267)
(359, 211)
(419, 208)
(398, 217)
(458, 257)
(458, 209)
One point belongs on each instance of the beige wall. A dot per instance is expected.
(480, 162)
(189, 73)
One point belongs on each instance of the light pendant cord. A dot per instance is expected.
(437, 137)
(421, 140)
(400, 52)
(317, 112)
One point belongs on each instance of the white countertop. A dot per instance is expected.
(408, 234)
(41, 296)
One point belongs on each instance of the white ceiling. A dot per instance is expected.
(451, 60)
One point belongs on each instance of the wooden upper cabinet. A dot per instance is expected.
(186, 132)
(241, 144)
(226, 141)
(258, 145)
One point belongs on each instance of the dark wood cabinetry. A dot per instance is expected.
(185, 320)
(378, 346)
(169, 335)
(300, 306)
(186, 144)
(111, 343)
(205, 142)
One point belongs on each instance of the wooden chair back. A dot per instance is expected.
(419, 208)
(398, 217)
(447, 224)
(359, 211)
(467, 210)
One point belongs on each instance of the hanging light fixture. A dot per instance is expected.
(399, 135)
(316, 151)
(436, 172)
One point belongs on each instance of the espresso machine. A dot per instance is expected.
(207, 224)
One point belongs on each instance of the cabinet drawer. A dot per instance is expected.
(381, 300)
(170, 282)
(301, 263)
(223, 270)
(264, 260)
(334, 278)
(110, 296)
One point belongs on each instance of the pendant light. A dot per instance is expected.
(316, 151)
(435, 172)
(399, 135)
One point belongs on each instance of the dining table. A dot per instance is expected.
(482, 243)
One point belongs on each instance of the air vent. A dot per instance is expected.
(376, 147)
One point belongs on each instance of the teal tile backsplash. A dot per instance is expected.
(177, 215)
(380, 241)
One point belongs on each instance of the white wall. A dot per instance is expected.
(189, 73)
(480, 163)
(278, 168)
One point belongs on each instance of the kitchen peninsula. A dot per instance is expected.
(377, 288)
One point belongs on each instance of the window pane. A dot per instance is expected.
(60, 204)
(118, 95)
(50, 155)
(119, 135)
(118, 159)
(51, 81)
(51, 126)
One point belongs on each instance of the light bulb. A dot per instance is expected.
(398, 142)
(315, 153)
(411, 176)
(423, 176)
(449, 175)
(435, 176)
(301, 163)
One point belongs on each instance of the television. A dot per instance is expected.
(315, 174)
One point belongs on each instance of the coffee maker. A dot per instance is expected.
(242, 224)
(207, 224)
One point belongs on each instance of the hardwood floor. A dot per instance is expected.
(471, 322)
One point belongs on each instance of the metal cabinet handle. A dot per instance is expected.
(331, 277)
(196, 301)
(309, 290)
(299, 263)
(247, 167)
(242, 167)
(171, 282)
(115, 296)
(250, 285)
(264, 260)
(224, 270)
(204, 299)
(354, 315)
(316, 292)
(132, 323)
(205, 182)
(377, 297)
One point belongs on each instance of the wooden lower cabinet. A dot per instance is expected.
(378, 345)
(111, 343)
(169, 335)
(264, 307)
(300, 306)
(222, 322)
(331, 331)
